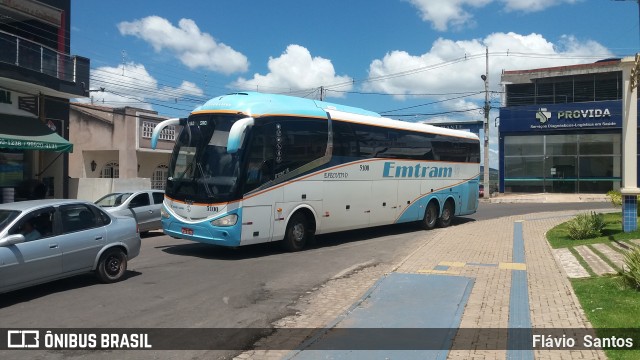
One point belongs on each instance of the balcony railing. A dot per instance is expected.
(27, 54)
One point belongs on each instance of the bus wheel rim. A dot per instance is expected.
(298, 232)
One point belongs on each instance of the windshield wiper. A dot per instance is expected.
(205, 181)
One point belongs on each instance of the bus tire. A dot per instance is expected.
(430, 216)
(297, 234)
(447, 214)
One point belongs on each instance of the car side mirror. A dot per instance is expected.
(12, 240)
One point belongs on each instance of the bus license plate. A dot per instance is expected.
(187, 231)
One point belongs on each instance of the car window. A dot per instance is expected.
(77, 217)
(158, 197)
(103, 218)
(139, 200)
(115, 199)
(35, 225)
(6, 217)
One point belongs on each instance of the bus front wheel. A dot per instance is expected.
(297, 233)
(430, 216)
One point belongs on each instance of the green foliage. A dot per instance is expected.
(615, 197)
(585, 226)
(630, 275)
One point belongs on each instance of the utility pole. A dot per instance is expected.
(487, 108)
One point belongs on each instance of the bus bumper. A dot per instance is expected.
(203, 232)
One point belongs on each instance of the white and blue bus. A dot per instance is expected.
(252, 167)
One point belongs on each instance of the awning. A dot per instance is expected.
(29, 133)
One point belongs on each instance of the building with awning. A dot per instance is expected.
(31, 134)
(38, 78)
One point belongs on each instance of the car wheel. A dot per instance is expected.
(447, 214)
(112, 265)
(430, 216)
(297, 233)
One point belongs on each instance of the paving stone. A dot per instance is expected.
(477, 245)
(570, 264)
(615, 256)
(594, 261)
(622, 245)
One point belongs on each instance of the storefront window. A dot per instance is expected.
(523, 145)
(561, 145)
(523, 167)
(600, 144)
(585, 163)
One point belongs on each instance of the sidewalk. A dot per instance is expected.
(516, 282)
(545, 198)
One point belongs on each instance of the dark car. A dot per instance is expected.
(481, 190)
(45, 240)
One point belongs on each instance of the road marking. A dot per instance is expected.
(512, 266)
(520, 334)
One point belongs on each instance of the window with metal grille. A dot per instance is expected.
(159, 177)
(168, 133)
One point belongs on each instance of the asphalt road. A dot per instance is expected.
(176, 283)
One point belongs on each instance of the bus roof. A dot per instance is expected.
(260, 104)
(257, 104)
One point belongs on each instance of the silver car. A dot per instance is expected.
(145, 205)
(45, 240)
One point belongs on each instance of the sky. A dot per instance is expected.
(412, 60)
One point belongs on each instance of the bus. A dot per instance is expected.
(252, 167)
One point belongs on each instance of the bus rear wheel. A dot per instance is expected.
(447, 214)
(297, 234)
(430, 216)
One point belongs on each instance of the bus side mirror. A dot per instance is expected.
(236, 134)
(158, 129)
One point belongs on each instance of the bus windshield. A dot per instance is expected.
(201, 170)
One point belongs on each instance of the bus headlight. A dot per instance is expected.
(164, 213)
(228, 220)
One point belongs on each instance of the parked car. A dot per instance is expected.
(145, 205)
(481, 190)
(45, 240)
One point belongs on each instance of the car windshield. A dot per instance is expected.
(6, 217)
(115, 199)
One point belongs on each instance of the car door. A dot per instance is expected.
(33, 261)
(158, 199)
(81, 235)
(141, 205)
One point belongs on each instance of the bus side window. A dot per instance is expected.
(344, 140)
(261, 154)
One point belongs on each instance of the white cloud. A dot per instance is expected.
(134, 87)
(455, 13)
(455, 66)
(295, 70)
(194, 48)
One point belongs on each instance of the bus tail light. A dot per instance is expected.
(228, 220)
